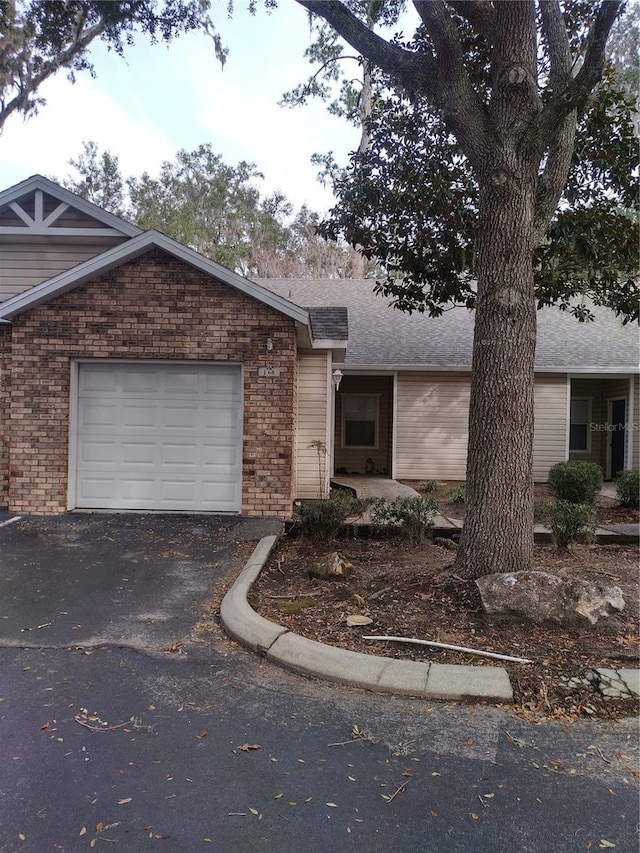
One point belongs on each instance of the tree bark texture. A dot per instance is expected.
(498, 527)
(508, 134)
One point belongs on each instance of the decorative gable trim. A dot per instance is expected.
(41, 223)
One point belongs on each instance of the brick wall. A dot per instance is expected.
(155, 307)
(5, 389)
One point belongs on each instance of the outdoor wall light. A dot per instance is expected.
(269, 344)
(337, 378)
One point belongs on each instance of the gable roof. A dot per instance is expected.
(383, 338)
(42, 222)
(135, 248)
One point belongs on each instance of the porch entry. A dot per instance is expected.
(364, 426)
(598, 422)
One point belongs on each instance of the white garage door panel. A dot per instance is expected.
(159, 437)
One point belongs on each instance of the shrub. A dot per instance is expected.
(575, 482)
(458, 495)
(628, 487)
(413, 514)
(323, 519)
(570, 522)
(428, 486)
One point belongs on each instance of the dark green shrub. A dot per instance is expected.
(323, 519)
(413, 514)
(458, 495)
(575, 482)
(628, 487)
(569, 522)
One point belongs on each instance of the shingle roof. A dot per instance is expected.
(329, 323)
(382, 336)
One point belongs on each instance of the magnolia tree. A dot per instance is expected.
(507, 81)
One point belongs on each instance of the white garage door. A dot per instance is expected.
(159, 437)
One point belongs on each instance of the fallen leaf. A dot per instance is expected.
(99, 826)
(278, 796)
(21, 836)
(474, 816)
(208, 840)
(147, 827)
(247, 746)
(470, 741)
(606, 845)
(202, 734)
(308, 800)
(293, 802)
(433, 814)
(332, 805)
(253, 811)
(44, 726)
(124, 801)
(83, 831)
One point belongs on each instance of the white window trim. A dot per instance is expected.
(375, 445)
(589, 402)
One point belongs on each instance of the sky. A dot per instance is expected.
(160, 99)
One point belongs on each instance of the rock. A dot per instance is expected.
(331, 566)
(541, 597)
(443, 542)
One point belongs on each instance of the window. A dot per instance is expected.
(360, 420)
(579, 432)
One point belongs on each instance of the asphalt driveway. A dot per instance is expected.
(137, 580)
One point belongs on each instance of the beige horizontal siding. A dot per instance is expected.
(550, 431)
(432, 426)
(432, 423)
(311, 424)
(23, 265)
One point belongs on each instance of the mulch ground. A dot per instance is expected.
(401, 589)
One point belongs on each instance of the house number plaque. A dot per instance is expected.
(269, 371)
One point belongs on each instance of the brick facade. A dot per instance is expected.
(155, 307)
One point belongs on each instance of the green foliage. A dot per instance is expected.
(413, 514)
(410, 200)
(321, 520)
(216, 209)
(575, 482)
(628, 487)
(457, 495)
(570, 522)
(38, 38)
(428, 485)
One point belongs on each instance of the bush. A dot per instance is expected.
(570, 522)
(428, 486)
(628, 487)
(414, 515)
(575, 482)
(323, 519)
(458, 495)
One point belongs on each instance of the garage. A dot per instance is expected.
(158, 436)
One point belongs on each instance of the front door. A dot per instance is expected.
(617, 433)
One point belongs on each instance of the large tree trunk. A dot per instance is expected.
(498, 528)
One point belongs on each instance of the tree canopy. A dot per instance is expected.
(409, 198)
(38, 38)
(216, 209)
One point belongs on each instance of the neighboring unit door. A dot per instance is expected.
(617, 434)
(164, 436)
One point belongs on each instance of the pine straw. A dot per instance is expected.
(402, 589)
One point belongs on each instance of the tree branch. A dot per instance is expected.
(479, 13)
(416, 72)
(555, 34)
(80, 43)
(574, 95)
(463, 109)
(554, 177)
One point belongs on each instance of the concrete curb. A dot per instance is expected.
(387, 675)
